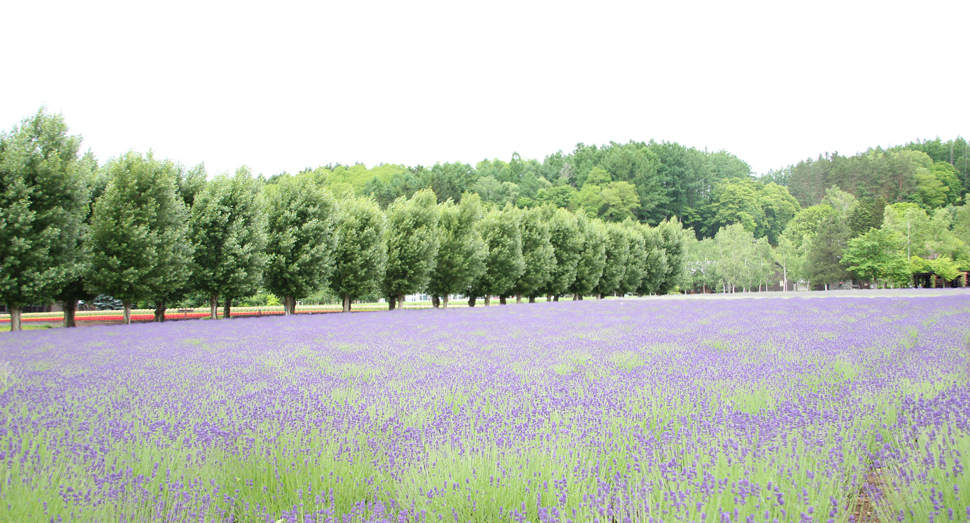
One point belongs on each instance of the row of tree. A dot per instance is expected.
(141, 228)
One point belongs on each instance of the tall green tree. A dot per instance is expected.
(674, 246)
(655, 266)
(617, 259)
(538, 254)
(462, 251)
(824, 261)
(592, 257)
(567, 244)
(43, 196)
(412, 245)
(361, 253)
(636, 261)
(504, 263)
(76, 289)
(139, 232)
(228, 230)
(301, 237)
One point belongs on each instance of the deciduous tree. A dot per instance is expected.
(592, 257)
(43, 198)
(567, 243)
(504, 263)
(877, 255)
(412, 245)
(617, 259)
(462, 251)
(139, 232)
(228, 231)
(301, 237)
(361, 252)
(537, 252)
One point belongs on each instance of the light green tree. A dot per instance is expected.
(43, 205)
(787, 257)
(945, 268)
(931, 191)
(913, 225)
(228, 231)
(139, 233)
(301, 237)
(360, 258)
(412, 245)
(702, 263)
(735, 251)
(761, 264)
(601, 197)
(877, 256)
(805, 223)
(841, 202)
(461, 256)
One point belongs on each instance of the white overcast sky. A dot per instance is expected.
(280, 86)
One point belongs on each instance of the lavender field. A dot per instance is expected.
(747, 410)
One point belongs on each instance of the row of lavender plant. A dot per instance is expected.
(625, 410)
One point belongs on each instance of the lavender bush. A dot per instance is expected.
(623, 410)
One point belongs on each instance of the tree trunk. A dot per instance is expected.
(214, 306)
(532, 299)
(346, 303)
(575, 296)
(391, 302)
(518, 299)
(599, 296)
(227, 309)
(127, 313)
(555, 298)
(444, 301)
(400, 301)
(488, 299)
(435, 301)
(289, 305)
(502, 300)
(159, 311)
(15, 318)
(70, 308)
(471, 301)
